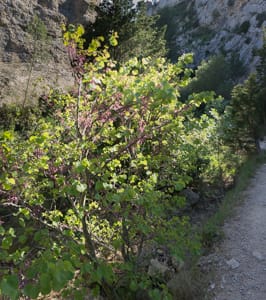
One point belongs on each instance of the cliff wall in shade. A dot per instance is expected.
(16, 45)
(206, 27)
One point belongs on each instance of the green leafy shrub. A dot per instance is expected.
(98, 177)
(241, 118)
(244, 120)
(84, 183)
(13, 116)
(138, 34)
(218, 74)
(177, 18)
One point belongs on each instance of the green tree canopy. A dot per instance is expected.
(218, 74)
(138, 34)
(261, 82)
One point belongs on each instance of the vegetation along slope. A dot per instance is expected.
(105, 185)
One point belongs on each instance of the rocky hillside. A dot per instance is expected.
(16, 44)
(202, 26)
(207, 27)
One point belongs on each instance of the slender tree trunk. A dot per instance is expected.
(28, 85)
(88, 240)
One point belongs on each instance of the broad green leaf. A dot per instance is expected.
(9, 286)
(32, 291)
(79, 295)
(2, 230)
(179, 186)
(11, 232)
(86, 268)
(96, 291)
(59, 279)
(7, 242)
(25, 212)
(7, 186)
(45, 284)
(22, 238)
(8, 135)
(81, 187)
(21, 222)
(133, 286)
(155, 294)
(11, 181)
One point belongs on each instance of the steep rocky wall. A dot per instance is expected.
(238, 25)
(16, 45)
(222, 26)
(204, 27)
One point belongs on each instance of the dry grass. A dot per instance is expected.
(187, 285)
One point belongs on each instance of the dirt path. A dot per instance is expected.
(241, 258)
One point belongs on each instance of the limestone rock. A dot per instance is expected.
(157, 268)
(262, 144)
(206, 263)
(257, 255)
(15, 44)
(192, 198)
(220, 25)
(233, 263)
(177, 264)
(207, 27)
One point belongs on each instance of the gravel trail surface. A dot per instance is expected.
(241, 258)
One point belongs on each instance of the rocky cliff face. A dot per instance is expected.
(206, 27)
(16, 44)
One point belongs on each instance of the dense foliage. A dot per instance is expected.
(138, 34)
(95, 180)
(177, 18)
(218, 74)
(246, 115)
